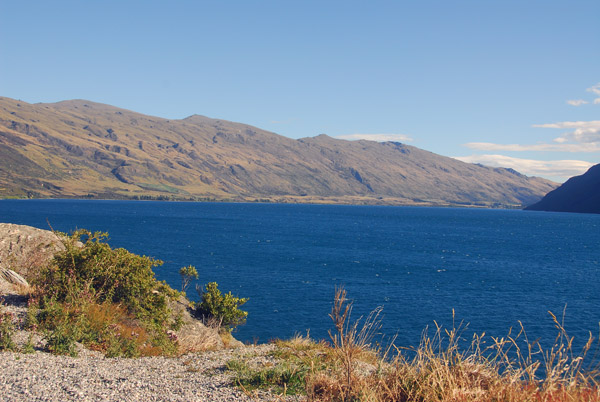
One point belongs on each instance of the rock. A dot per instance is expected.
(13, 278)
(24, 249)
(230, 342)
(193, 335)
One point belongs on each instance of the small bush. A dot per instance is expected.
(187, 274)
(7, 330)
(107, 299)
(222, 307)
(96, 271)
(61, 340)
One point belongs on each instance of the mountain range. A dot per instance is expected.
(578, 194)
(83, 149)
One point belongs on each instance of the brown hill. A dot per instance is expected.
(83, 149)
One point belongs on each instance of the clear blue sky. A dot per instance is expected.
(498, 82)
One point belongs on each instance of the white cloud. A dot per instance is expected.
(561, 147)
(376, 137)
(594, 89)
(585, 131)
(577, 102)
(556, 170)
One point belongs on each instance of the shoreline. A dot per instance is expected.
(292, 201)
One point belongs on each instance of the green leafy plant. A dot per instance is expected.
(107, 299)
(7, 330)
(187, 274)
(224, 308)
(28, 347)
(60, 340)
(284, 378)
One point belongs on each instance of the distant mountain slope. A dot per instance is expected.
(578, 194)
(83, 149)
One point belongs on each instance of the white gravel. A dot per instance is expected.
(41, 376)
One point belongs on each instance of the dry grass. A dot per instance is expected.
(439, 369)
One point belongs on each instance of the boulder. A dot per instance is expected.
(23, 249)
(13, 278)
(194, 336)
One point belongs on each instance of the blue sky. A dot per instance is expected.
(504, 83)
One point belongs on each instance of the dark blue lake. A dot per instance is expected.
(493, 267)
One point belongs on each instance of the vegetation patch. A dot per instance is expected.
(285, 378)
(159, 187)
(7, 330)
(107, 299)
(222, 310)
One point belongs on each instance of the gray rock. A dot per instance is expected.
(25, 249)
(13, 278)
(194, 336)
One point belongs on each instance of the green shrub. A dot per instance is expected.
(187, 274)
(60, 340)
(7, 330)
(222, 307)
(93, 294)
(95, 271)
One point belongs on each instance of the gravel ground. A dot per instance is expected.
(91, 377)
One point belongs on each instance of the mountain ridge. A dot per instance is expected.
(578, 194)
(79, 148)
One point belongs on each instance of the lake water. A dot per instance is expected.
(493, 267)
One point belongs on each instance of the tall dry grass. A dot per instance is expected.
(511, 368)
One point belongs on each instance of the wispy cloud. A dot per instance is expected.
(583, 136)
(376, 137)
(489, 146)
(577, 102)
(584, 131)
(596, 91)
(558, 170)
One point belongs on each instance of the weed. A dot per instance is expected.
(61, 340)
(28, 347)
(510, 369)
(284, 378)
(7, 330)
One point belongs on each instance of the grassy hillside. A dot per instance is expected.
(83, 149)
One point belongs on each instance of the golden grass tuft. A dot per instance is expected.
(510, 369)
